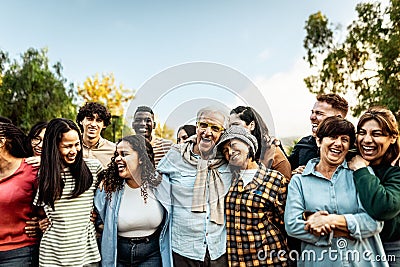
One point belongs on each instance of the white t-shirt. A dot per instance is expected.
(137, 218)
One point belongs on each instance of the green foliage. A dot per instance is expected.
(366, 62)
(289, 148)
(105, 91)
(117, 129)
(31, 91)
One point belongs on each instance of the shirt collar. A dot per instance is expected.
(97, 145)
(310, 167)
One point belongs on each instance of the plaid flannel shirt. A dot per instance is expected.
(254, 220)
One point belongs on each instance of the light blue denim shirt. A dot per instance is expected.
(310, 191)
(108, 212)
(192, 232)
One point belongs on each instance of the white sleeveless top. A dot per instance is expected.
(137, 218)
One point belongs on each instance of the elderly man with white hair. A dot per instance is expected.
(197, 184)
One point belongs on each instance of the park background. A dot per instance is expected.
(128, 42)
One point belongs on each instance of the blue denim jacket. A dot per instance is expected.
(108, 212)
(192, 232)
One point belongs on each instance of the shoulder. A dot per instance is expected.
(388, 174)
(270, 173)
(307, 140)
(162, 141)
(108, 142)
(92, 163)
(28, 168)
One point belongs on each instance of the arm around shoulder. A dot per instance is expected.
(379, 197)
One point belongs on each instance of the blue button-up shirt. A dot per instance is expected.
(192, 232)
(311, 191)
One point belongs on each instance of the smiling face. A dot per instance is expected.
(182, 136)
(320, 111)
(372, 143)
(236, 152)
(143, 124)
(209, 129)
(333, 150)
(128, 162)
(92, 127)
(37, 143)
(69, 147)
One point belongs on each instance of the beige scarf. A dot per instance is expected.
(216, 187)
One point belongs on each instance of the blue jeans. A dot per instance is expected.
(392, 249)
(20, 257)
(145, 253)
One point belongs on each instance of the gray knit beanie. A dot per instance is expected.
(241, 133)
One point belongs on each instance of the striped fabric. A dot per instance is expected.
(160, 148)
(254, 220)
(70, 240)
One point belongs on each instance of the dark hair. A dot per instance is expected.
(387, 121)
(15, 143)
(91, 108)
(261, 132)
(110, 177)
(189, 129)
(336, 101)
(5, 120)
(34, 132)
(50, 178)
(144, 109)
(335, 126)
(150, 152)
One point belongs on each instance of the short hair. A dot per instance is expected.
(336, 101)
(91, 108)
(335, 126)
(144, 109)
(16, 141)
(214, 110)
(387, 121)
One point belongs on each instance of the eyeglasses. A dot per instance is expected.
(213, 127)
(36, 140)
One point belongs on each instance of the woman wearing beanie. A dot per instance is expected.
(254, 205)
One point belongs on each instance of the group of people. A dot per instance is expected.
(225, 195)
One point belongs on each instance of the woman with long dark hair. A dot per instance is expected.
(65, 192)
(136, 229)
(378, 145)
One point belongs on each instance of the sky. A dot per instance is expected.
(140, 41)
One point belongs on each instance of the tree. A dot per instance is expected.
(367, 62)
(106, 92)
(164, 132)
(31, 91)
